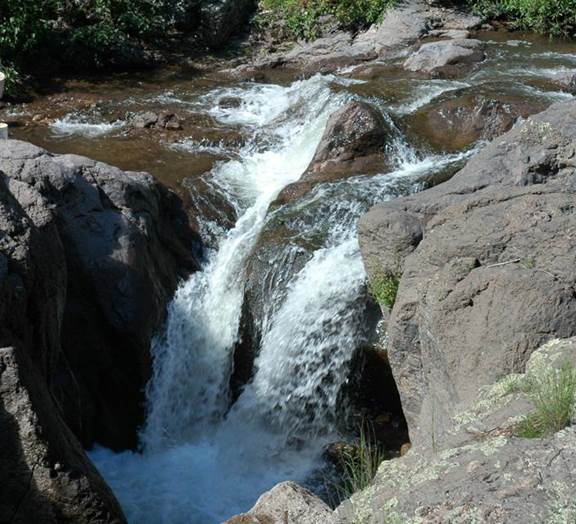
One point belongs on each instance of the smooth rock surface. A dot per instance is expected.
(354, 142)
(446, 58)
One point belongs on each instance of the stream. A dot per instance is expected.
(205, 458)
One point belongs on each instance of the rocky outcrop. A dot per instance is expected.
(45, 475)
(488, 474)
(487, 264)
(91, 259)
(447, 58)
(354, 142)
(399, 30)
(286, 503)
(458, 120)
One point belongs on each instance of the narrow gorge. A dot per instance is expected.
(205, 328)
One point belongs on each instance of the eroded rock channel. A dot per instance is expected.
(207, 330)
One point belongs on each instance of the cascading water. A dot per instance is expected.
(203, 461)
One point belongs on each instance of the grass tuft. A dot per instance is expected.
(360, 464)
(553, 394)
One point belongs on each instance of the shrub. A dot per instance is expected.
(86, 34)
(383, 286)
(554, 17)
(552, 392)
(301, 16)
(360, 464)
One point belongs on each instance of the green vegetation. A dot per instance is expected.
(302, 16)
(553, 17)
(87, 34)
(383, 286)
(553, 394)
(360, 464)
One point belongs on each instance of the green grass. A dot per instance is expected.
(383, 286)
(360, 464)
(553, 394)
(301, 16)
(553, 17)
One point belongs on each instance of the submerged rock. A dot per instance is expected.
(447, 58)
(458, 120)
(286, 503)
(487, 261)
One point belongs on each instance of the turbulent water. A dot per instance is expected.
(202, 458)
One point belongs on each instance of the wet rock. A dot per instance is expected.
(116, 245)
(446, 58)
(149, 119)
(45, 475)
(487, 261)
(286, 503)
(458, 120)
(353, 143)
(144, 120)
(566, 81)
(489, 476)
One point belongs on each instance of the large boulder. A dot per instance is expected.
(286, 503)
(487, 262)
(354, 142)
(45, 475)
(446, 58)
(116, 245)
(489, 474)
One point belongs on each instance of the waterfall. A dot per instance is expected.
(203, 460)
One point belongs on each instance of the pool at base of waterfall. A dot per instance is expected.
(203, 457)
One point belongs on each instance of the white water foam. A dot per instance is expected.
(77, 124)
(201, 464)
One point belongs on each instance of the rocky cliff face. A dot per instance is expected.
(487, 262)
(89, 258)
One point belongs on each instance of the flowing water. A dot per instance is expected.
(204, 457)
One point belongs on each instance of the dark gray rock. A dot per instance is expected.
(220, 19)
(446, 58)
(45, 475)
(286, 503)
(113, 247)
(488, 269)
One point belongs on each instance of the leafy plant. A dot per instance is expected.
(553, 394)
(360, 463)
(383, 286)
(302, 17)
(554, 17)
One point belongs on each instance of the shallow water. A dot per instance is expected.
(204, 459)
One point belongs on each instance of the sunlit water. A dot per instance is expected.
(202, 459)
